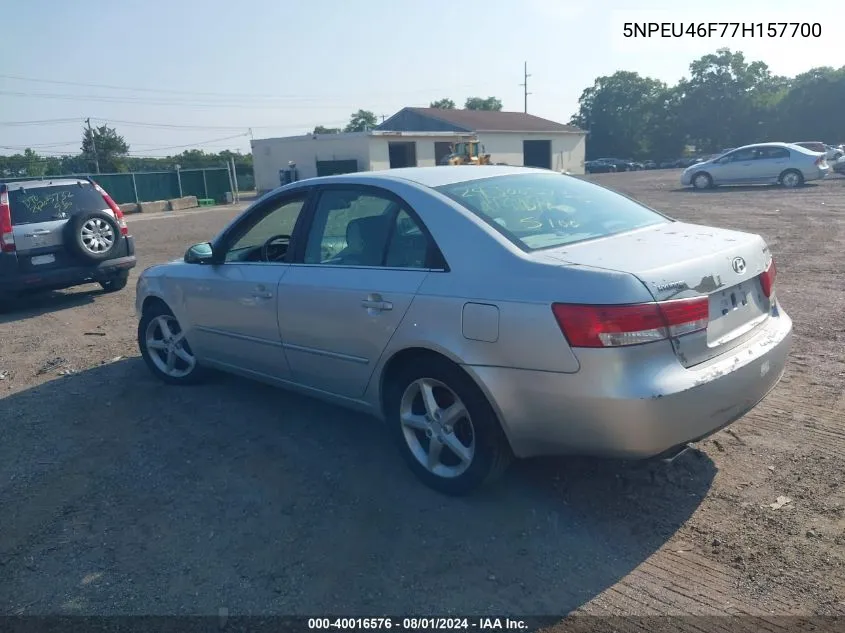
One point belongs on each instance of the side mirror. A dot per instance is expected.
(201, 253)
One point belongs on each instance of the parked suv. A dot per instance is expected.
(61, 233)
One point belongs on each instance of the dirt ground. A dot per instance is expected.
(119, 495)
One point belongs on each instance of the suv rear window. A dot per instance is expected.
(55, 202)
(536, 211)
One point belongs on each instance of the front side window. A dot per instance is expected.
(537, 211)
(267, 239)
(744, 155)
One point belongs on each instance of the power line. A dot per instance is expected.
(36, 145)
(291, 126)
(42, 122)
(214, 140)
(240, 95)
(309, 104)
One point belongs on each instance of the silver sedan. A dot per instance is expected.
(482, 312)
(765, 163)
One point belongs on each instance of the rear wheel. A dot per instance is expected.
(445, 428)
(792, 178)
(165, 349)
(116, 283)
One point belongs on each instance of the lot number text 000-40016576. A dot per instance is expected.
(417, 624)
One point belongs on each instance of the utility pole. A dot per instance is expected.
(525, 85)
(94, 146)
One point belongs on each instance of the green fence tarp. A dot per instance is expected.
(163, 185)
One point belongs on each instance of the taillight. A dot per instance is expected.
(821, 161)
(620, 325)
(7, 238)
(767, 278)
(118, 214)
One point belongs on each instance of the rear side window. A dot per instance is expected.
(773, 152)
(536, 211)
(57, 202)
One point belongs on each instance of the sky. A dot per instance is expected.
(172, 74)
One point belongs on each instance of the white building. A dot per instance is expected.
(421, 137)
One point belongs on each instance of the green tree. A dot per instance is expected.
(104, 144)
(726, 100)
(34, 165)
(665, 133)
(361, 121)
(479, 103)
(442, 104)
(320, 129)
(811, 107)
(622, 112)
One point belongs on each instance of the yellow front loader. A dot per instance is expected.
(466, 153)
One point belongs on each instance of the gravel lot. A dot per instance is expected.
(120, 495)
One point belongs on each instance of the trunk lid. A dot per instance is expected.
(678, 260)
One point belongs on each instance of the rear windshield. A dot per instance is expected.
(537, 211)
(57, 202)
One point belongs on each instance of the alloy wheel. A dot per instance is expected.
(168, 348)
(437, 428)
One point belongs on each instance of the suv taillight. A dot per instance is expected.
(620, 325)
(118, 214)
(7, 237)
(767, 279)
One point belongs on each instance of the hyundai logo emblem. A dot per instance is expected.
(738, 264)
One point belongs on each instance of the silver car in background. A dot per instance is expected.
(482, 312)
(764, 163)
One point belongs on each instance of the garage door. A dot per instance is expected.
(537, 154)
(331, 167)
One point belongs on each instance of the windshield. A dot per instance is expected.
(536, 211)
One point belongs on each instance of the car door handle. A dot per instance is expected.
(261, 292)
(40, 232)
(375, 302)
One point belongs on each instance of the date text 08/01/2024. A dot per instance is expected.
(418, 624)
(722, 29)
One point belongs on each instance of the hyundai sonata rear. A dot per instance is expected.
(695, 341)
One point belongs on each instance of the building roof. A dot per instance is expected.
(486, 120)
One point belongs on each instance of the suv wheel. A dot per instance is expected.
(165, 349)
(94, 235)
(116, 283)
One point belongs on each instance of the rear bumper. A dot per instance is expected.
(12, 281)
(635, 403)
(818, 173)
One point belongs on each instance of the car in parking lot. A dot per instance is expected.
(61, 233)
(764, 163)
(599, 166)
(483, 313)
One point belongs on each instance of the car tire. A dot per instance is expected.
(476, 429)
(93, 236)
(116, 283)
(791, 178)
(702, 180)
(159, 325)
